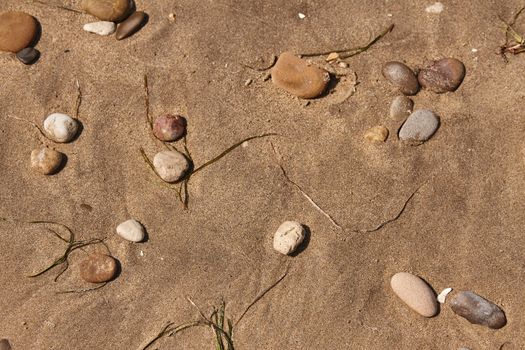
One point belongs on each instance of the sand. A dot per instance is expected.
(462, 229)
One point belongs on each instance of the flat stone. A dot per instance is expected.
(5, 345)
(442, 76)
(288, 237)
(17, 30)
(377, 134)
(477, 310)
(169, 127)
(299, 77)
(419, 126)
(402, 77)
(414, 292)
(98, 268)
(401, 107)
(131, 25)
(60, 127)
(107, 10)
(103, 28)
(131, 230)
(46, 161)
(28, 55)
(171, 166)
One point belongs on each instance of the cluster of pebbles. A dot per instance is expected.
(18, 34)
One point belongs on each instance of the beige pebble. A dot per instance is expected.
(288, 237)
(332, 56)
(414, 292)
(377, 134)
(46, 161)
(171, 165)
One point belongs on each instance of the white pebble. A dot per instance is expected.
(288, 237)
(474, 50)
(443, 295)
(101, 28)
(131, 230)
(60, 127)
(170, 165)
(301, 15)
(435, 8)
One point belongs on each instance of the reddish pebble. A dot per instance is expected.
(169, 127)
(98, 268)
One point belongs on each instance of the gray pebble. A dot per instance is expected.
(419, 126)
(28, 55)
(478, 310)
(402, 77)
(401, 107)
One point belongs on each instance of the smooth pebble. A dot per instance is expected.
(101, 28)
(107, 10)
(131, 230)
(60, 127)
(169, 127)
(443, 75)
(377, 134)
(401, 107)
(46, 160)
(5, 345)
(171, 166)
(401, 76)
(414, 292)
(131, 25)
(28, 55)
(17, 30)
(288, 237)
(477, 310)
(98, 268)
(419, 126)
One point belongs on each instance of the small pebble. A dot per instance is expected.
(343, 65)
(5, 345)
(414, 292)
(401, 76)
(288, 237)
(131, 25)
(131, 230)
(377, 134)
(171, 17)
(301, 15)
(442, 297)
(299, 77)
(60, 127)
(17, 30)
(98, 268)
(477, 310)
(107, 10)
(442, 76)
(401, 107)
(169, 127)
(103, 28)
(419, 126)
(332, 56)
(46, 160)
(435, 8)
(28, 55)
(247, 82)
(171, 166)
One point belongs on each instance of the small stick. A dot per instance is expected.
(78, 100)
(146, 101)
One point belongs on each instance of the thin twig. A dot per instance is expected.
(273, 59)
(83, 290)
(167, 331)
(78, 100)
(146, 101)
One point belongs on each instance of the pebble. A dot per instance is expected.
(402, 77)
(46, 160)
(28, 55)
(5, 345)
(299, 77)
(17, 30)
(131, 25)
(171, 166)
(169, 127)
(60, 127)
(103, 28)
(288, 237)
(107, 10)
(131, 230)
(401, 107)
(377, 134)
(419, 126)
(415, 293)
(442, 76)
(98, 268)
(442, 297)
(477, 310)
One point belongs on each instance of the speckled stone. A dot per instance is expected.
(60, 127)
(107, 10)
(477, 310)
(401, 107)
(288, 237)
(414, 292)
(443, 75)
(46, 161)
(419, 126)
(17, 30)
(169, 128)
(171, 166)
(376, 134)
(401, 76)
(98, 268)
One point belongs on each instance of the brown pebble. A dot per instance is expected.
(107, 10)
(402, 77)
(46, 160)
(477, 310)
(17, 30)
(377, 134)
(131, 25)
(169, 127)
(299, 77)
(4, 344)
(28, 55)
(98, 268)
(442, 76)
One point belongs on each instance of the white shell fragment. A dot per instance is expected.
(131, 230)
(60, 127)
(288, 237)
(435, 8)
(443, 295)
(101, 28)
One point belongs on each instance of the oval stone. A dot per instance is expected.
(377, 134)
(171, 166)
(5, 345)
(442, 76)
(401, 76)
(288, 237)
(131, 230)
(477, 310)
(17, 30)
(414, 292)
(299, 77)
(107, 10)
(98, 268)
(169, 127)
(401, 107)
(103, 28)
(419, 126)
(60, 127)
(131, 25)
(28, 55)
(46, 160)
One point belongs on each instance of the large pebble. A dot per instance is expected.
(107, 10)
(131, 230)
(401, 76)
(46, 160)
(101, 28)
(169, 127)
(299, 77)
(171, 166)
(5, 345)
(377, 134)
(17, 30)
(98, 268)
(60, 127)
(415, 293)
(28, 55)
(131, 25)
(477, 310)
(443, 75)
(288, 237)
(419, 126)
(401, 107)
